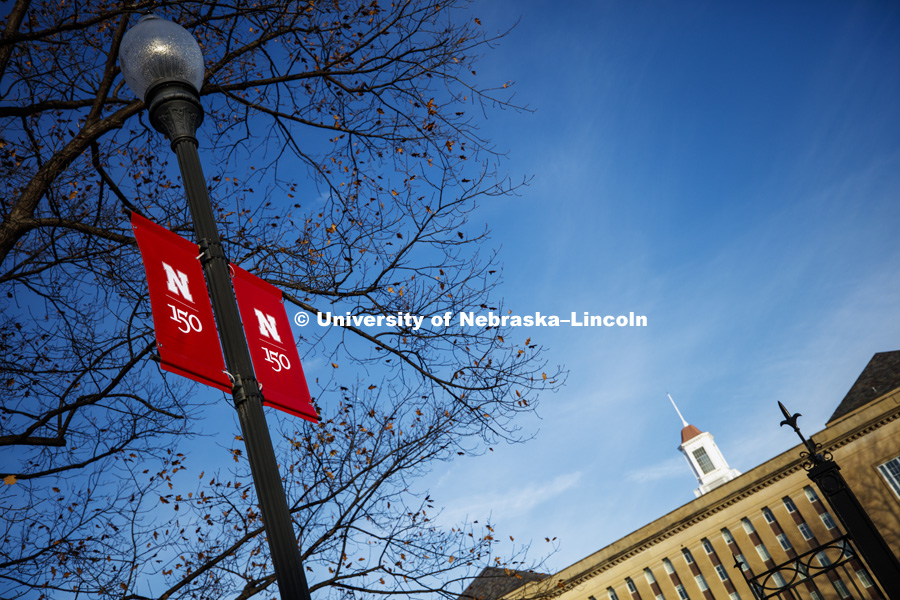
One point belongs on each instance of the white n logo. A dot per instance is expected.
(177, 282)
(267, 325)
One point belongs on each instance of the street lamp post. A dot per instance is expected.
(163, 64)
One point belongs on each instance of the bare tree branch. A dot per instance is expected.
(345, 166)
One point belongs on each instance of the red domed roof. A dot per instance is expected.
(689, 432)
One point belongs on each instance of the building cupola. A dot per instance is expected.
(703, 456)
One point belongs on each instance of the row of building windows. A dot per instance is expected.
(892, 467)
(777, 578)
(864, 578)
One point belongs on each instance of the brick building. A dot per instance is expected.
(750, 525)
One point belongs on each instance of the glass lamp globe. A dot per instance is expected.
(155, 51)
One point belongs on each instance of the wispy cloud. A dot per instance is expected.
(511, 503)
(671, 467)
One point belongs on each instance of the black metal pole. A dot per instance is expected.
(175, 110)
(825, 473)
(857, 523)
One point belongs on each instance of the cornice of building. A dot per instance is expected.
(848, 428)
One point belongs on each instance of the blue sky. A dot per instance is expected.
(730, 170)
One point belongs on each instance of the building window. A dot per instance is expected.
(726, 535)
(631, 587)
(785, 543)
(891, 473)
(770, 518)
(703, 460)
(805, 531)
(682, 593)
(739, 558)
(612, 594)
(841, 588)
(815, 595)
(707, 546)
(734, 596)
(688, 557)
(648, 574)
(763, 553)
(789, 504)
(864, 578)
(660, 597)
(748, 526)
(701, 583)
(778, 579)
(667, 565)
(822, 558)
(810, 494)
(721, 572)
(827, 520)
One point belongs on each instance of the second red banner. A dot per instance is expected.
(272, 347)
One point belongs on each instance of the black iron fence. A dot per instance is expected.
(830, 571)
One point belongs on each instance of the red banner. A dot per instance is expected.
(186, 333)
(272, 347)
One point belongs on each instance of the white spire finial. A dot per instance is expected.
(676, 409)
